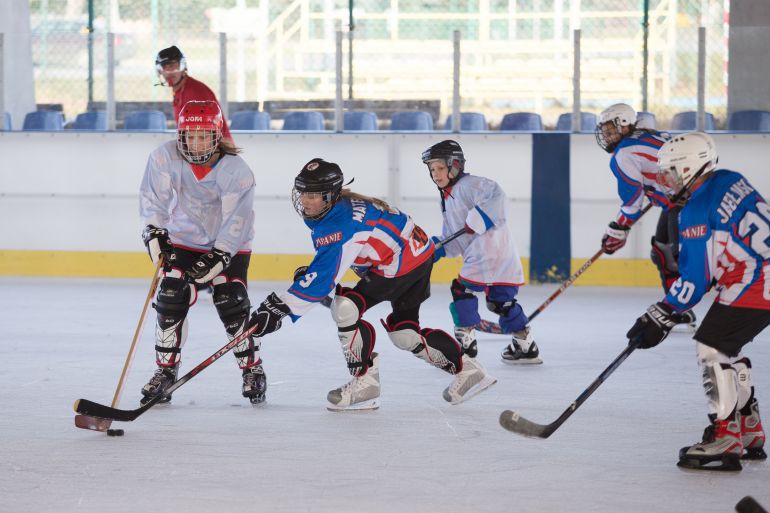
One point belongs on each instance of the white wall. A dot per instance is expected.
(78, 191)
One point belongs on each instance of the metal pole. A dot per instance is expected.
(645, 52)
(701, 118)
(90, 50)
(2, 81)
(223, 102)
(110, 81)
(351, 27)
(456, 81)
(576, 118)
(339, 118)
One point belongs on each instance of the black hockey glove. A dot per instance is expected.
(209, 265)
(652, 328)
(157, 242)
(268, 316)
(299, 272)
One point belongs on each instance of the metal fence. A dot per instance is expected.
(516, 55)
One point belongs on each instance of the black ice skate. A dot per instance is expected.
(516, 355)
(720, 449)
(254, 384)
(163, 378)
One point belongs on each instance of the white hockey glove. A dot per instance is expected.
(615, 237)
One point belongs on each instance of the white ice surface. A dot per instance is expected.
(63, 339)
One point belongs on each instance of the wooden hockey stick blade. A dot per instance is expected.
(489, 327)
(514, 422)
(92, 423)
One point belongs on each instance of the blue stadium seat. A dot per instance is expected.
(521, 122)
(646, 120)
(45, 120)
(469, 122)
(91, 120)
(412, 121)
(147, 120)
(749, 121)
(250, 120)
(7, 121)
(587, 122)
(360, 120)
(686, 121)
(311, 121)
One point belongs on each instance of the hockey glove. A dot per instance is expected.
(652, 328)
(615, 237)
(440, 251)
(209, 265)
(299, 272)
(157, 242)
(267, 318)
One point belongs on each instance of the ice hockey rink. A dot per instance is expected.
(210, 450)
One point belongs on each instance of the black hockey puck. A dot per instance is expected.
(115, 432)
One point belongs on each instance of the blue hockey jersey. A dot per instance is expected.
(357, 233)
(724, 235)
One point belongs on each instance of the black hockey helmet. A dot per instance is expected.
(449, 151)
(167, 56)
(320, 177)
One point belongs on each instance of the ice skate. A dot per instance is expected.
(752, 434)
(470, 381)
(163, 378)
(685, 322)
(466, 336)
(360, 393)
(522, 349)
(254, 384)
(720, 449)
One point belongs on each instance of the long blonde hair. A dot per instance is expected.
(347, 193)
(228, 147)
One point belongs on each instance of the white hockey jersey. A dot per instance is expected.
(489, 258)
(201, 207)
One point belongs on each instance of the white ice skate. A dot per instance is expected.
(466, 336)
(522, 349)
(470, 381)
(360, 393)
(721, 448)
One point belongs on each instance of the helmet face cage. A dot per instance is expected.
(608, 130)
(451, 153)
(199, 131)
(682, 158)
(319, 178)
(167, 56)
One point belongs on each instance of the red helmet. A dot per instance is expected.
(204, 120)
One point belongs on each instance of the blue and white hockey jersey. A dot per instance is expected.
(635, 166)
(489, 258)
(357, 233)
(724, 232)
(201, 207)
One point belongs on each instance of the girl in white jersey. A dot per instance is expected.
(197, 205)
(491, 261)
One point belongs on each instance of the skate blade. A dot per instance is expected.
(371, 404)
(257, 401)
(523, 361)
(475, 390)
(726, 462)
(754, 454)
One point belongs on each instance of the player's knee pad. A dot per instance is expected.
(665, 259)
(720, 381)
(745, 386)
(232, 303)
(512, 316)
(356, 335)
(347, 307)
(435, 347)
(172, 305)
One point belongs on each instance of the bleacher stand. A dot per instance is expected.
(145, 120)
(646, 120)
(521, 122)
(749, 121)
(587, 122)
(469, 122)
(250, 120)
(688, 121)
(92, 120)
(308, 121)
(360, 121)
(44, 120)
(411, 121)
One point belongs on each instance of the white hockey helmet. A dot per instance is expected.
(684, 158)
(611, 121)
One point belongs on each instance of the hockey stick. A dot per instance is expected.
(327, 301)
(86, 407)
(512, 421)
(99, 424)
